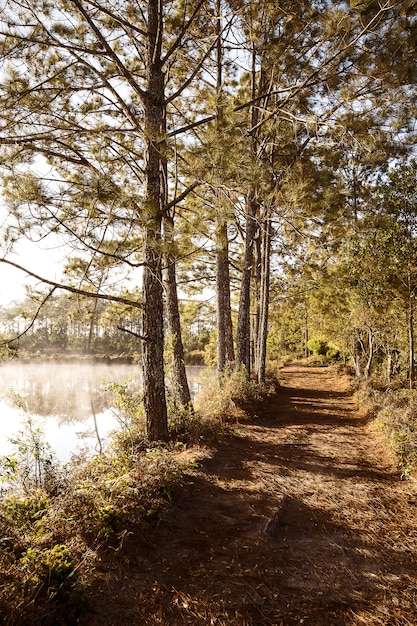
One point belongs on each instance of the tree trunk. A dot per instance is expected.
(243, 343)
(243, 349)
(90, 333)
(182, 389)
(306, 333)
(367, 370)
(257, 288)
(411, 338)
(225, 350)
(91, 327)
(152, 297)
(264, 299)
(357, 365)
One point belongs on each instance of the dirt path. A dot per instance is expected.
(300, 518)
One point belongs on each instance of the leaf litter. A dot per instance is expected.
(299, 516)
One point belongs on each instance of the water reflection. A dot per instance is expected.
(71, 400)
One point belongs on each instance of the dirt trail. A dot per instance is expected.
(299, 518)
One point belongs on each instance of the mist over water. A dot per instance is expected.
(69, 402)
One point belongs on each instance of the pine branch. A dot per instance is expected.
(192, 75)
(76, 290)
(126, 330)
(118, 18)
(181, 197)
(102, 39)
(185, 28)
(34, 318)
(201, 122)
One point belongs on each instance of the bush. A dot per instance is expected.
(49, 572)
(195, 357)
(322, 348)
(50, 543)
(395, 412)
(319, 347)
(225, 397)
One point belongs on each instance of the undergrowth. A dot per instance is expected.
(227, 398)
(50, 544)
(58, 524)
(395, 414)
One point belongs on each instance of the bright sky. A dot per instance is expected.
(43, 262)
(46, 262)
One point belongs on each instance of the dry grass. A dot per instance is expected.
(395, 414)
(51, 544)
(298, 517)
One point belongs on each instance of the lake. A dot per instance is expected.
(68, 401)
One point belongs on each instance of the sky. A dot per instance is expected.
(42, 261)
(47, 261)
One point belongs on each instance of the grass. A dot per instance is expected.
(54, 537)
(226, 399)
(51, 544)
(395, 414)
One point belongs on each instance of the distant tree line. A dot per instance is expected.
(69, 325)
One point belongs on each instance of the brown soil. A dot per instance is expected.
(299, 518)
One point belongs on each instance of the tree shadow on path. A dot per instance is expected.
(287, 523)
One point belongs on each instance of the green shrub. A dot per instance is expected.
(318, 346)
(49, 572)
(323, 348)
(25, 511)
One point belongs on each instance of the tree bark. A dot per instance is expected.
(225, 348)
(152, 296)
(411, 337)
(264, 299)
(371, 351)
(180, 375)
(257, 289)
(243, 341)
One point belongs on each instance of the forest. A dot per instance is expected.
(228, 182)
(74, 327)
(258, 152)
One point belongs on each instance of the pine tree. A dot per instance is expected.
(92, 99)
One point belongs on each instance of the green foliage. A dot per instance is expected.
(49, 544)
(319, 347)
(127, 407)
(48, 571)
(109, 520)
(197, 331)
(25, 511)
(32, 463)
(64, 323)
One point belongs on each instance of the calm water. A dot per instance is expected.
(68, 401)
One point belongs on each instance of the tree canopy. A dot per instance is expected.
(248, 148)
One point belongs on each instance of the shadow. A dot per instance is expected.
(222, 556)
(242, 546)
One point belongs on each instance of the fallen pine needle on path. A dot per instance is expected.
(300, 517)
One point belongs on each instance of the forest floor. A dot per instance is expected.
(300, 517)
